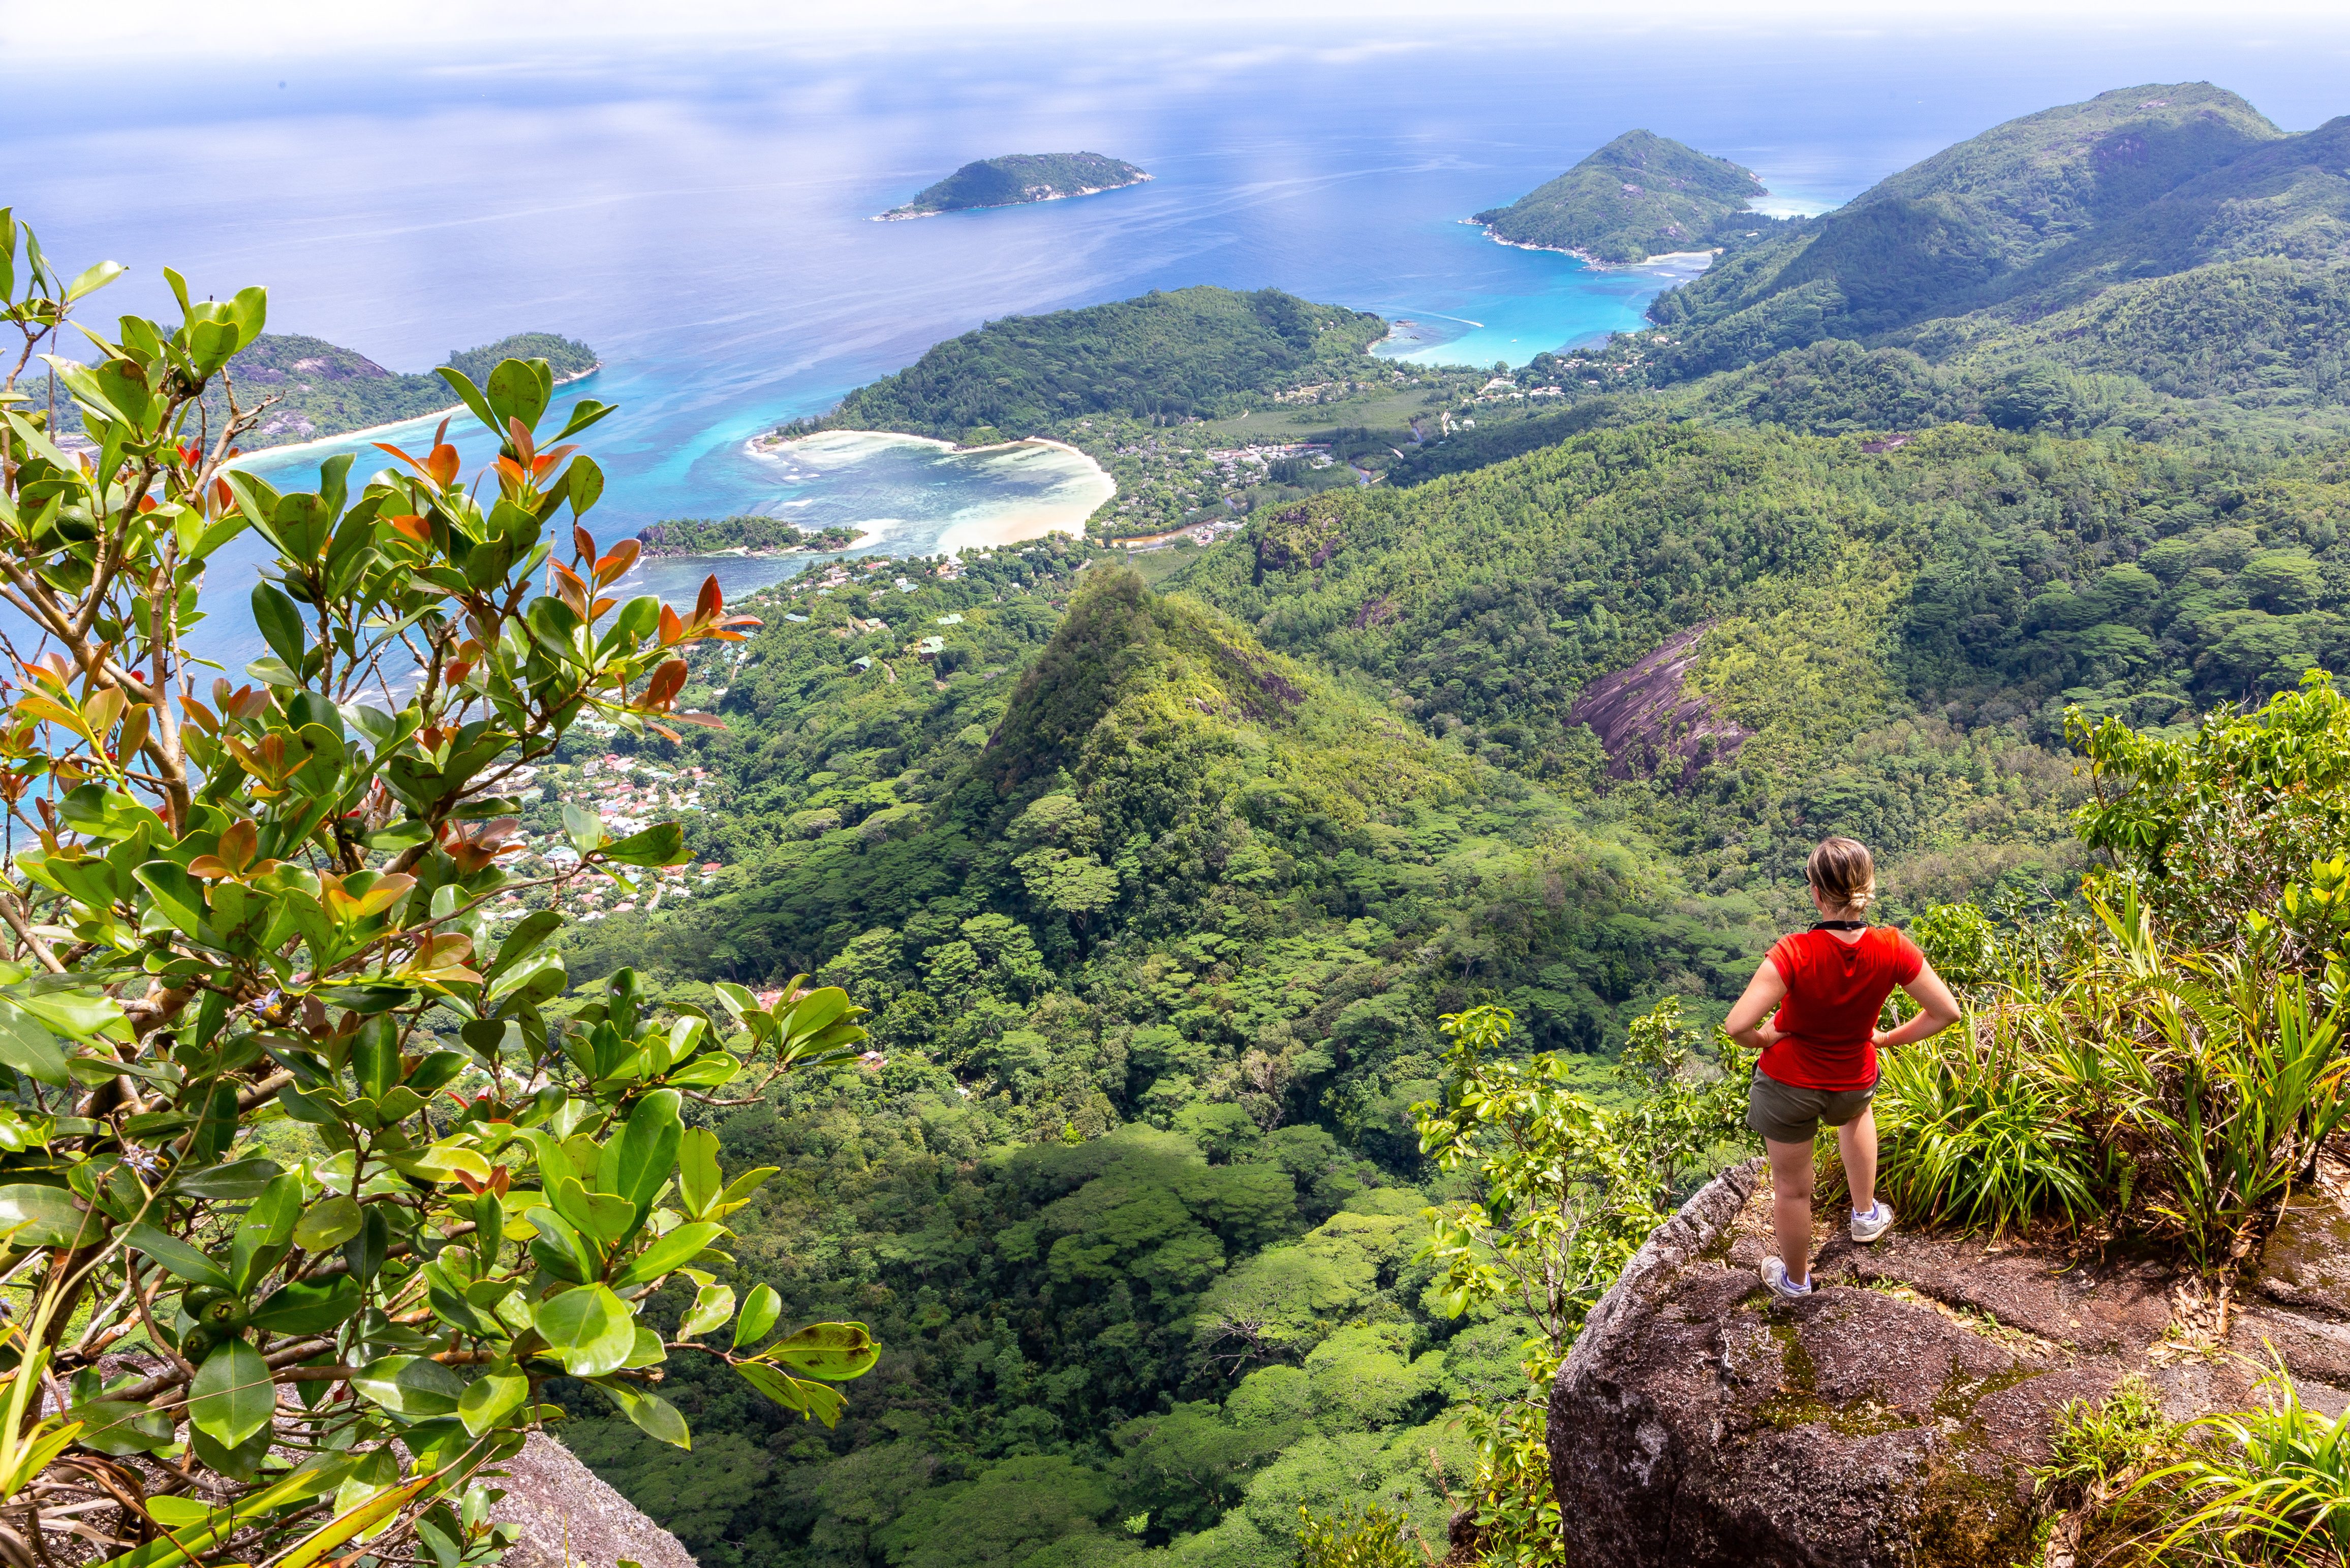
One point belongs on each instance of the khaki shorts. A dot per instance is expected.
(1786, 1114)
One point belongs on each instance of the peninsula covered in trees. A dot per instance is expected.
(323, 389)
(1018, 178)
(751, 535)
(1640, 195)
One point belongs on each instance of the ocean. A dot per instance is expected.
(701, 217)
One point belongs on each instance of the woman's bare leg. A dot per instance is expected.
(1856, 1141)
(1791, 1205)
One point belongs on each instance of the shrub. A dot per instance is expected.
(1372, 1538)
(272, 908)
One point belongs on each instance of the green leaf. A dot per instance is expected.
(655, 1415)
(584, 483)
(230, 1183)
(29, 1048)
(491, 1399)
(305, 1307)
(92, 278)
(470, 395)
(120, 1427)
(232, 1397)
(812, 1399)
(280, 621)
(662, 843)
(699, 1181)
(713, 1305)
(330, 1222)
(180, 896)
(528, 933)
(647, 1151)
(77, 1015)
(583, 827)
(412, 1387)
(249, 310)
(759, 1313)
(560, 1248)
(515, 390)
(680, 1246)
(838, 1351)
(590, 1329)
(708, 1071)
(584, 412)
(184, 1261)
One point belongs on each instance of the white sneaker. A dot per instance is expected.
(1774, 1274)
(1868, 1226)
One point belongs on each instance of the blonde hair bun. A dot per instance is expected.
(1842, 872)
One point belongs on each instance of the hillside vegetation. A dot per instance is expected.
(1640, 195)
(1164, 357)
(2163, 254)
(1157, 900)
(324, 390)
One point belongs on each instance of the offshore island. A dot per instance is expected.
(1016, 179)
(1641, 196)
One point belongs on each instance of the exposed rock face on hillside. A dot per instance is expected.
(1648, 722)
(570, 1519)
(1891, 1417)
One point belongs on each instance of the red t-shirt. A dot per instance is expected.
(1836, 991)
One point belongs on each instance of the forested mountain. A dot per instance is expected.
(1637, 196)
(2166, 238)
(1020, 177)
(1166, 355)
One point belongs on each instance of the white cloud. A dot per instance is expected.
(408, 32)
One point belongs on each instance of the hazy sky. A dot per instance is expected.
(41, 31)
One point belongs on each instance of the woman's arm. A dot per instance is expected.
(1938, 1009)
(1749, 1021)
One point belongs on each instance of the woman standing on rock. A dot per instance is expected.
(1828, 986)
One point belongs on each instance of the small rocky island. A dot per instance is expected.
(1018, 178)
(1640, 195)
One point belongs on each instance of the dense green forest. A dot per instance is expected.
(1640, 195)
(1020, 177)
(1165, 357)
(708, 536)
(1157, 899)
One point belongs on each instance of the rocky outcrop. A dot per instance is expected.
(569, 1518)
(1650, 724)
(1892, 1417)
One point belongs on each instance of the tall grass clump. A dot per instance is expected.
(1981, 1145)
(2171, 1062)
(2270, 1485)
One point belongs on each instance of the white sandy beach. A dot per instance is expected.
(1078, 484)
(1662, 259)
(421, 424)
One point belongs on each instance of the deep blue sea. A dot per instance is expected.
(701, 216)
